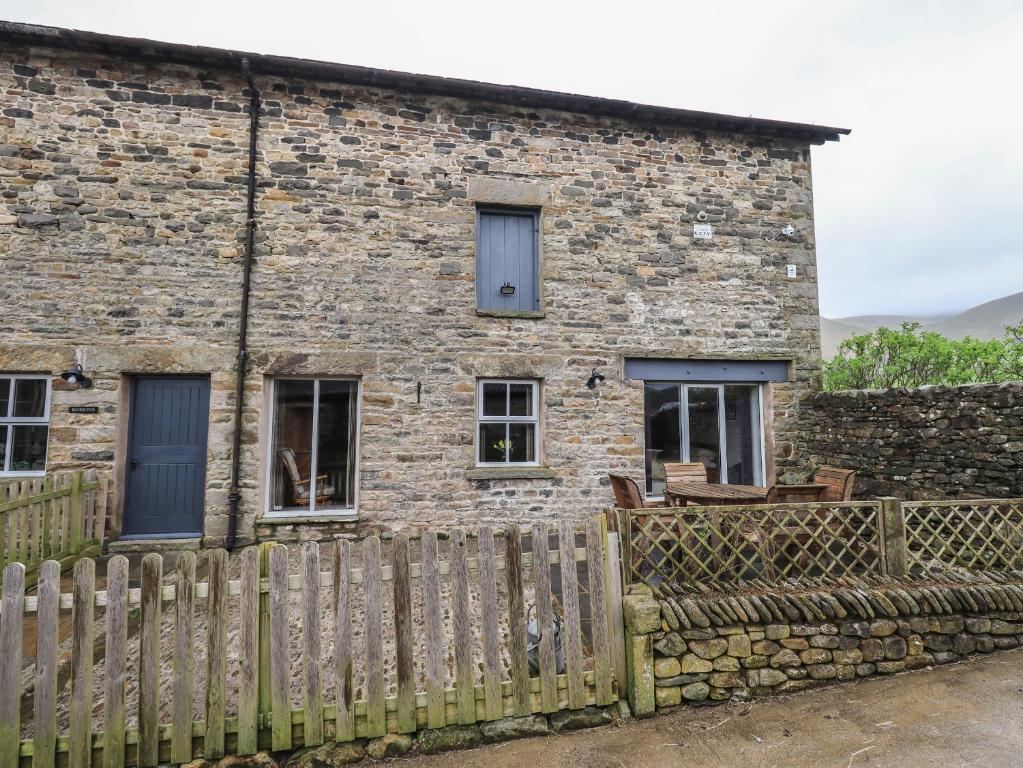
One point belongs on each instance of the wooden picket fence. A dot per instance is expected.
(445, 644)
(57, 517)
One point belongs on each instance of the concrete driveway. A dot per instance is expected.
(966, 714)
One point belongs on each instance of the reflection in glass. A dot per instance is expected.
(663, 432)
(30, 398)
(704, 431)
(28, 448)
(742, 434)
(521, 440)
(495, 399)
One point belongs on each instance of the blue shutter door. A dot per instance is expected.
(507, 253)
(166, 468)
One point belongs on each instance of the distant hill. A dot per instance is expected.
(985, 321)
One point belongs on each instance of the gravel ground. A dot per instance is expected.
(295, 636)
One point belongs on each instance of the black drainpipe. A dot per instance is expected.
(234, 496)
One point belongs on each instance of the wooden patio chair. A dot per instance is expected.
(627, 493)
(839, 481)
(301, 487)
(685, 472)
(784, 494)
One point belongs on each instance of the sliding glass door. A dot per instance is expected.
(718, 425)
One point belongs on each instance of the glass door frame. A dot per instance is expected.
(722, 437)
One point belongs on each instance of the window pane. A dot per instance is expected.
(520, 399)
(663, 435)
(28, 448)
(742, 434)
(704, 432)
(3, 448)
(293, 441)
(495, 401)
(335, 445)
(492, 438)
(5, 394)
(521, 442)
(30, 398)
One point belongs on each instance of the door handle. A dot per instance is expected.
(134, 464)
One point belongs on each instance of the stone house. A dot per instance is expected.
(461, 302)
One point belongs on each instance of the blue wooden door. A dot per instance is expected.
(166, 462)
(507, 265)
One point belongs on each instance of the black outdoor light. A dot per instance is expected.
(507, 289)
(75, 376)
(594, 379)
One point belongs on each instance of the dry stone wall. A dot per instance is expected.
(122, 212)
(727, 662)
(925, 443)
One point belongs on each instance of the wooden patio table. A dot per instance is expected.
(714, 493)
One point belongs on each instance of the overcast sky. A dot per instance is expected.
(920, 210)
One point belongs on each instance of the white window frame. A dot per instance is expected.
(534, 420)
(9, 420)
(722, 433)
(311, 511)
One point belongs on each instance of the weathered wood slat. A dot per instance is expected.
(376, 722)
(312, 690)
(216, 655)
(544, 619)
(184, 654)
(10, 664)
(115, 662)
(44, 742)
(403, 635)
(149, 662)
(343, 665)
(616, 619)
(572, 631)
(436, 716)
(490, 629)
(248, 661)
(75, 501)
(602, 664)
(280, 668)
(464, 672)
(521, 704)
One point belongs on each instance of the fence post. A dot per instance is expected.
(264, 636)
(642, 616)
(76, 513)
(894, 557)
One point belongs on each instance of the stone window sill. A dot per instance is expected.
(512, 313)
(340, 517)
(510, 473)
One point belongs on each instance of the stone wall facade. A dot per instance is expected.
(122, 216)
(925, 443)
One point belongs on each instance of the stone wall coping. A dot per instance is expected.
(926, 389)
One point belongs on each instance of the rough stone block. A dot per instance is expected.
(709, 649)
(642, 614)
(671, 644)
(865, 670)
(693, 664)
(964, 644)
(883, 627)
(667, 667)
(329, 755)
(785, 658)
(765, 647)
(726, 664)
(984, 643)
(936, 642)
(397, 744)
(855, 628)
(434, 740)
(978, 626)
(822, 671)
(914, 645)
(726, 679)
(890, 667)
(945, 657)
(1005, 643)
(951, 625)
(815, 656)
(872, 649)
(824, 641)
(853, 656)
(894, 647)
(696, 691)
(510, 728)
(804, 630)
(777, 631)
(667, 682)
(919, 661)
(846, 671)
(668, 696)
(795, 643)
(756, 661)
(739, 646)
(999, 627)
(765, 678)
(576, 719)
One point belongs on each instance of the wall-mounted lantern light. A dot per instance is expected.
(75, 376)
(594, 379)
(507, 289)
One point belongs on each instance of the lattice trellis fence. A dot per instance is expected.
(980, 534)
(768, 542)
